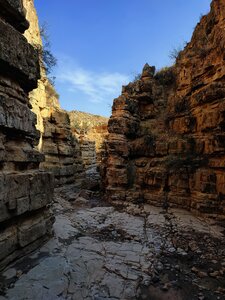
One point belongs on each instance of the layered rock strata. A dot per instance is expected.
(25, 191)
(43, 96)
(91, 131)
(91, 128)
(166, 133)
(61, 149)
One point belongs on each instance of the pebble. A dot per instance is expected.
(172, 250)
(194, 270)
(19, 273)
(181, 251)
(221, 290)
(166, 287)
(146, 282)
(202, 274)
(214, 274)
(199, 273)
(159, 266)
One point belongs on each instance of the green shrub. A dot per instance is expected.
(166, 76)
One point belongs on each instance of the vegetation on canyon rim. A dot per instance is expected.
(47, 59)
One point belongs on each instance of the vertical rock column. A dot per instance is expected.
(25, 191)
(123, 128)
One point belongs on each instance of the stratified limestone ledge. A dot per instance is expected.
(24, 235)
(25, 191)
(167, 130)
(61, 149)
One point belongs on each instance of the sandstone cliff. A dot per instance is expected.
(166, 133)
(25, 191)
(93, 127)
(38, 97)
(91, 132)
(61, 149)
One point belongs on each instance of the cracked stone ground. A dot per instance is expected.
(101, 252)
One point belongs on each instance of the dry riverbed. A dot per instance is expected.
(103, 252)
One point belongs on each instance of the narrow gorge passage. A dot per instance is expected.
(104, 252)
(129, 207)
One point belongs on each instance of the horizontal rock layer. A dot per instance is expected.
(61, 149)
(18, 61)
(12, 11)
(25, 191)
(166, 133)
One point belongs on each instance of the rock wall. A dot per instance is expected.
(39, 97)
(166, 133)
(61, 149)
(91, 132)
(99, 134)
(91, 127)
(25, 191)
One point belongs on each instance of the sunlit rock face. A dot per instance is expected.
(61, 149)
(166, 133)
(25, 191)
(44, 96)
(91, 132)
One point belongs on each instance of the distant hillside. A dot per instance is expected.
(85, 121)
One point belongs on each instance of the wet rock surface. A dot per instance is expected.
(104, 252)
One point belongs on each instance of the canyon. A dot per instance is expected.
(130, 207)
(166, 132)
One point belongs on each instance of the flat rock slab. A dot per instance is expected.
(104, 253)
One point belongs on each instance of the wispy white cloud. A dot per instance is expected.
(97, 87)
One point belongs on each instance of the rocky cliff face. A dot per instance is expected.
(93, 127)
(91, 132)
(166, 142)
(39, 97)
(25, 191)
(61, 149)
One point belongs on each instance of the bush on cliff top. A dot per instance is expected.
(166, 76)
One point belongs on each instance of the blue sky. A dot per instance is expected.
(102, 44)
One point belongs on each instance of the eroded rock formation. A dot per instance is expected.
(61, 149)
(166, 133)
(91, 132)
(25, 191)
(91, 127)
(44, 96)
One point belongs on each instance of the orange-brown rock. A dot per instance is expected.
(166, 133)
